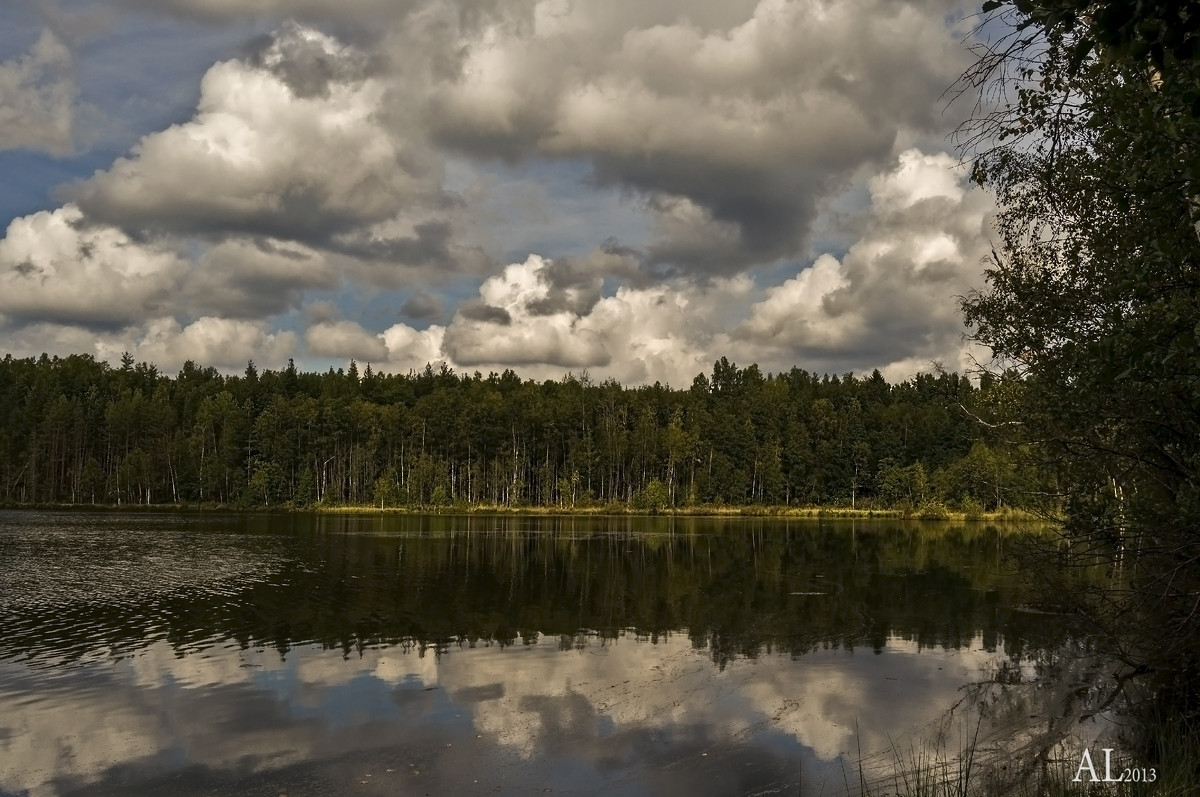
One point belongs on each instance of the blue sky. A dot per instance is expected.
(545, 185)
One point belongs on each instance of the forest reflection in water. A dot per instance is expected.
(313, 654)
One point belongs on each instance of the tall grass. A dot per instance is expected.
(932, 771)
(924, 772)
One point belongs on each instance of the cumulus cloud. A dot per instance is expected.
(726, 122)
(56, 266)
(499, 327)
(227, 344)
(410, 348)
(891, 298)
(288, 144)
(319, 165)
(545, 317)
(888, 303)
(344, 339)
(37, 95)
(256, 277)
(292, 177)
(731, 132)
(399, 348)
(309, 62)
(223, 342)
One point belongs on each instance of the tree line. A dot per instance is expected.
(79, 431)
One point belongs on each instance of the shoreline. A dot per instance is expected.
(934, 513)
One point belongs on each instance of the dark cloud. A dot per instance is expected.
(890, 299)
(305, 62)
(573, 286)
(328, 157)
(433, 244)
(363, 11)
(477, 310)
(26, 269)
(731, 135)
(254, 278)
(321, 311)
(423, 305)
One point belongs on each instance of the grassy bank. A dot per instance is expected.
(699, 510)
(927, 512)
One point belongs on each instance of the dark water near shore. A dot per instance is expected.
(292, 654)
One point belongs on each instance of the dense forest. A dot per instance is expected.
(79, 431)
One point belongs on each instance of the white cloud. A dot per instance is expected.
(37, 95)
(743, 123)
(890, 302)
(660, 333)
(227, 344)
(223, 342)
(55, 266)
(797, 308)
(315, 166)
(345, 339)
(412, 349)
(527, 338)
(289, 144)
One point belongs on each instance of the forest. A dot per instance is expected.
(78, 431)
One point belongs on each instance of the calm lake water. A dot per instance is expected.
(294, 654)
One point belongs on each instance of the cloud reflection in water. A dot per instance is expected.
(623, 714)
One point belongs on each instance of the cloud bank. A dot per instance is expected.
(340, 187)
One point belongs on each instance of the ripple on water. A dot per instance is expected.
(53, 565)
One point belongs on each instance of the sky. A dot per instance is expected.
(630, 189)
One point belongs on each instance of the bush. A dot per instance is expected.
(971, 508)
(654, 498)
(933, 510)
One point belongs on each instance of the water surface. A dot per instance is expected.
(294, 654)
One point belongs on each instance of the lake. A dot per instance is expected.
(292, 654)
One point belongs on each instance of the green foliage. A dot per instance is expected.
(73, 430)
(654, 498)
(268, 484)
(306, 491)
(971, 508)
(1093, 296)
(985, 477)
(387, 491)
(933, 510)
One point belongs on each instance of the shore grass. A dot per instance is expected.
(919, 772)
(928, 512)
(695, 510)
